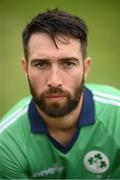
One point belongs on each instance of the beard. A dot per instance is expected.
(56, 109)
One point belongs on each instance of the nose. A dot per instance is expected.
(54, 79)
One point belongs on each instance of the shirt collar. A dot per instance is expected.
(87, 114)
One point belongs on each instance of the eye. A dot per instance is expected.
(41, 64)
(69, 64)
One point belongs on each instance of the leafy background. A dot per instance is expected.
(103, 20)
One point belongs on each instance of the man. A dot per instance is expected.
(67, 130)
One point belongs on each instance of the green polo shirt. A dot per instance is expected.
(27, 151)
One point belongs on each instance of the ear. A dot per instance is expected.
(87, 63)
(24, 66)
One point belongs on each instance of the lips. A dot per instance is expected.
(55, 97)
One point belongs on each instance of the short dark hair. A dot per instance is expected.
(56, 23)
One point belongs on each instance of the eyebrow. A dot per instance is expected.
(61, 59)
(69, 59)
(33, 61)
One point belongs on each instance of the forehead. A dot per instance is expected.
(41, 45)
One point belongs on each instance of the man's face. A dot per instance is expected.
(55, 75)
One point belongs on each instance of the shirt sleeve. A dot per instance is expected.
(10, 166)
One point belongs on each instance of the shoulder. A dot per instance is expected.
(107, 108)
(105, 98)
(107, 105)
(16, 113)
(104, 89)
(14, 128)
(105, 95)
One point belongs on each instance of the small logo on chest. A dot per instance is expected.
(96, 162)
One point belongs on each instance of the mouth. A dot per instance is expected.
(55, 97)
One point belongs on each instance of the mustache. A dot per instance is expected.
(55, 90)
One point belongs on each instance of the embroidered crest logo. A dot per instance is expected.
(96, 162)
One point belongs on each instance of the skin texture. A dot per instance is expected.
(56, 77)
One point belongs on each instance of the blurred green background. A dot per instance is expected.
(103, 20)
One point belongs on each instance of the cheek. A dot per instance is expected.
(76, 78)
(74, 83)
(37, 82)
(79, 76)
